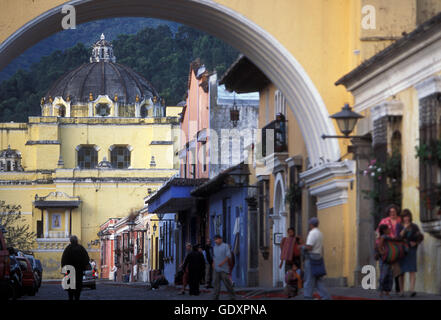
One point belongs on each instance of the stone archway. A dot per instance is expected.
(222, 22)
(279, 228)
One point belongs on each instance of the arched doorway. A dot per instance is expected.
(222, 22)
(279, 229)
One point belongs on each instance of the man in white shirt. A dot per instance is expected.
(313, 249)
(114, 271)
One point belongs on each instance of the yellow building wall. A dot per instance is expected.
(173, 111)
(296, 147)
(337, 223)
(103, 193)
(428, 265)
(323, 36)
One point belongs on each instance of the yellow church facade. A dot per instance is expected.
(72, 170)
(303, 47)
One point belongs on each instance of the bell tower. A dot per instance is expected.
(102, 51)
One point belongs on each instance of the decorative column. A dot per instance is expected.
(253, 243)
(66, 223)
(137, 107)
(46, 224)
(90, 104)
(68, 107)
(363, 152)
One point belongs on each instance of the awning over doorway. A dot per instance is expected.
(174, 196)
(57, 200)
(222, 180)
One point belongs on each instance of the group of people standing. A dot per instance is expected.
(396, 249)
(294, 252)
(205, 264)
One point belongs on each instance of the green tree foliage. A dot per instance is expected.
(18, 234)
(20, 95)
(111, 27)
(160, 54)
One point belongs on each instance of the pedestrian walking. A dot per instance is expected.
(314, 262)
(412, 235)
(75, 255)
(393, 221)
(208, 255)
(221, 256)
(195, 264)
(115, 272)
(93, 264)
(290, 251)
(386, 273)
(188, 248)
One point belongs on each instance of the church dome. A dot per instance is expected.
(102, 76)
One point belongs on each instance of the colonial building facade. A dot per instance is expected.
(398, 91)
(103, 140)
(276, 161)
(202, 200)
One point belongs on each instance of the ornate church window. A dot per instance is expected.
(87, 157)
(144, 111)
(120, 157)
(61, 111)
(102, 109)
(10, 160)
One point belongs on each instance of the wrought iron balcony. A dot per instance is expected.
(275, 132)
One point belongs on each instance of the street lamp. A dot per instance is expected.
(240, 175)
(346, 121)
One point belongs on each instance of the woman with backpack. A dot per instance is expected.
(393, 221)
(290, 247)
(386, 274)
(412, 235)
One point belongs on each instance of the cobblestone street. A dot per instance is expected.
(106, 290)
(110, 291)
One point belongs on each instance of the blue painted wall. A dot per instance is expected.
(234, 199)
(170, 267)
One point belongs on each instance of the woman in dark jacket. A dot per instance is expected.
(410, 233)
(75, 255)
(196, 267)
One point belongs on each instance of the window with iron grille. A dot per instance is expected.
(263, 211)
(275, 133)
(120, 157)
(87, 157)
(430, 161)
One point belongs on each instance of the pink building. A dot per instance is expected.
(122, 244)
(195, 118)
(107, 238)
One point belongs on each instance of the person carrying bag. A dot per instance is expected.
(314, 262)
(317, 262)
